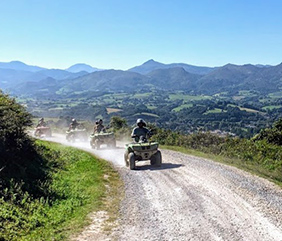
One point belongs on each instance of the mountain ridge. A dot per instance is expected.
(229, 78)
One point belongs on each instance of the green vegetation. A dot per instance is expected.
(47, 190)
(261, 155)
(76, 187)
(175, 110)
(186, 97)
(179, 108)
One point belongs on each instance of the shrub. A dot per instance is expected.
(20, 163)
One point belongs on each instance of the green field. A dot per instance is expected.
(187, 98)
(272, 107)
(214, 111)
(179, 108)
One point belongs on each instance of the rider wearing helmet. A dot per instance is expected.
(140, 130)
(99, 126)
(73, 124)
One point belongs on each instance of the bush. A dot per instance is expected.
(20, 163)
(271, 135)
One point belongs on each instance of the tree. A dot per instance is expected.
(14, 120)
(271, 135)
(118, 123)
(20, 164)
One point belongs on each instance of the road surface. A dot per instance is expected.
(189, 198)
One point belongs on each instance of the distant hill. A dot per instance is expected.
(151, 75)
(17, 65)
(59, 74)
(81, 67)
(232, 78)
(115, 80)
(10, 79)
(173, 79)
(151, 65)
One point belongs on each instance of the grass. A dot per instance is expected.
(275, 95)
(142, 95)
(113, 110)
(80, 185)
(271, 107)
(214, 111)
(179, 108)
(186, 98)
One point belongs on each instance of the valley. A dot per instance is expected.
(234, 99)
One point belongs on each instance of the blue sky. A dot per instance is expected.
(121, 34)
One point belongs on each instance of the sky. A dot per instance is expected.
(121, 34)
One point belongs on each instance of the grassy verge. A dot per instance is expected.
(78, 184)
(251, 167)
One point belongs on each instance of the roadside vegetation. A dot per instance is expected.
(47, 190)
(260, 155)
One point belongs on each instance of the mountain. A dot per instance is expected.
(59, 74)
(17, 65)
(234, 78)
(229, 79)
(173, 79)
(11, 78)
(45, 88)
(81, 67)
(151, 65)
(114, 80)
(147, 67)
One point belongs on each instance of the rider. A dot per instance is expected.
(73, 124)
(140, 130)
(99, 126)
(41, 123)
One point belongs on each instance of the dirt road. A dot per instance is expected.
(191, 198)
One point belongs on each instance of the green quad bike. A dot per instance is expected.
(78, 133)
(102, 138)
(142, 151)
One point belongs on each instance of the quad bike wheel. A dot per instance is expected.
(97, 144)
(113, 144)
(92, 144)
(131, 158)
(126, 158)
(156, 159)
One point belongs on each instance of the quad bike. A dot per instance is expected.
(98, 139)
(142, 151)
(79, 133)
(42, 131)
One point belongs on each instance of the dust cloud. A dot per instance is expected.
(114, 155)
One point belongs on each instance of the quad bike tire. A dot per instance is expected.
(92, 144)
(156, 159)
(113, 144)
(131, 158)
(71, 138)
(126, 158)
(97, 144)
(48, 133)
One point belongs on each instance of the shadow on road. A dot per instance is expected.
(163, 167)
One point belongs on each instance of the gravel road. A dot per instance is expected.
(190, 198)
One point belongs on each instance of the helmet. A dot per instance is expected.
(42, 119)
(101, 121)
(73, 120)
(140, 121)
